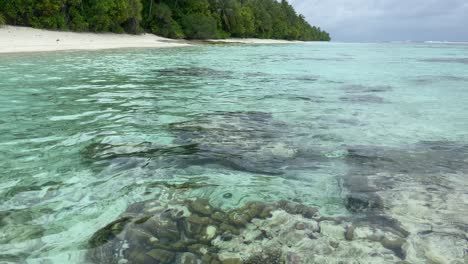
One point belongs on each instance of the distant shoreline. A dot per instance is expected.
(14, 39)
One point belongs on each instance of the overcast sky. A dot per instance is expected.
(388, 20)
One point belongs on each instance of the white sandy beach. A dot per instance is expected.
(24, 39)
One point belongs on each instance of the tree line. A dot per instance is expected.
(191, 19)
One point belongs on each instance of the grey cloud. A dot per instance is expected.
(388, 20)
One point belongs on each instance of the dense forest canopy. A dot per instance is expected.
(191, 19)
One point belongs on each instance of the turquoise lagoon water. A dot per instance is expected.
(83, 135)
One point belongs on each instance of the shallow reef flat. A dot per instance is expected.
(182, 230)
(305, 153)
(193, 231)
(399, 204)
(421, 187)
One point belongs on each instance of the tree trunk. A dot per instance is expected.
(150, 8)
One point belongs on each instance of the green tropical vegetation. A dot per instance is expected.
(2, 20)
(191, 19)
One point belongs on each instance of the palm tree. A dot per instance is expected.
(150, 8)
(225, 11)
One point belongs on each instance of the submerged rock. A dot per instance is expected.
(162, 256)
(201, 206)
(149, 232)
(422, 188)
(227, 195)
(193, 231)
(361, 202)
(424, 157)
(109, 232)
(366, 89)
(187, 258)
(297, 208)
(104, 151)
(248, 141)
(349, 234)
(283, 242)
(270, 256)
(245, 141)
(362, 99)
(199, 72)
(396, 245)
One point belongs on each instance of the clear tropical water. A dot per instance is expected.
(83, 135)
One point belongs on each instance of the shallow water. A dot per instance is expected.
(83, 135)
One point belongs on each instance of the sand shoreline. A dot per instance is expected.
(14, 39)
(254, 41)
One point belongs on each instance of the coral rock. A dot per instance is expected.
(162, 256)
(201, 206)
